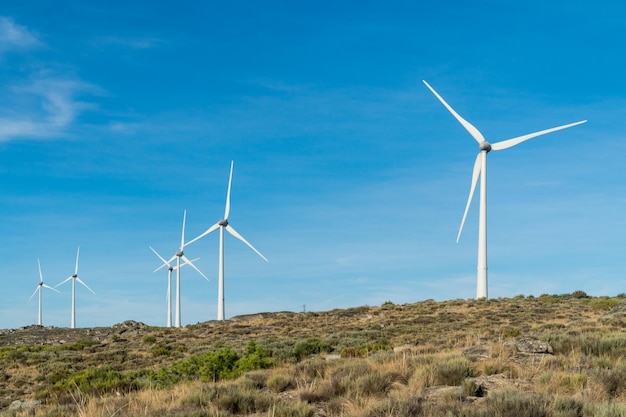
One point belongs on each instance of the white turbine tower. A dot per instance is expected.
(39, 288)
(75, 278)
(178, 256)
(170, 268)
(224, 225)
(480, 170)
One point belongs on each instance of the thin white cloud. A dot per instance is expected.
(15, 37)
(131, 42)
(48, 106)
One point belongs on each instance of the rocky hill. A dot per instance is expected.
(524, 343)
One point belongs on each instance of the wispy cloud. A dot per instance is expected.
(16, 37)
(47, 107)
(131, 42)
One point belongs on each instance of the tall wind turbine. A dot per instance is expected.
(178, 256)
(170, 268)
(224, 225)
(39, 289)
(480, 170)
(74, 277)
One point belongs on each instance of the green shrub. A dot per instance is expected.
(579, 294)
(309, 347)
(452, 372)
(613, 381)
(237, 400)
(100, 380)
(280, 383)
(254, 358)
(604, 303)
(392, 407)
(568, 407)
(298, 409)
(516, 404)
(375, 383)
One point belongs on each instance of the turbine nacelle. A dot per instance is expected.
(223, 222)
(485, 146)
(179, 253)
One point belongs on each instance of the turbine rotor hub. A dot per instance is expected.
(485, 146)
(75, 276)
(223, 222)
(179, 253)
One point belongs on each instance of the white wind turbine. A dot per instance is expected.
(170, 268)
(75, 278)
(224, 225)
(39, 288)
(480, 170)
(178, 256)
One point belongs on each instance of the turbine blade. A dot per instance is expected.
(209, 230)
(182, 236)
(77, 253)
(238, 236)
(467, 125)
(165, 263)
(50, 288)
(475, 174)
(63, 282)
(512, 142)
(40, 274)
(85, 285)
(188, 262)
(36, 289)
(230, 180)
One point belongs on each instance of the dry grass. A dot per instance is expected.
(452, 358)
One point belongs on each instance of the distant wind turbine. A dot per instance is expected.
(480, 170)
(178, 256)
(224, 225)
(75, 278)
(170, 268)
(39, 289)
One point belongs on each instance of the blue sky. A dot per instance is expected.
(350, 176)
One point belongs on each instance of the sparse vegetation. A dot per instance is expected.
(425, 359)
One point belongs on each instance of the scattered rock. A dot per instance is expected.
(478, 352)
(530, 345)
(441, 392)
(403, 348)
(24, 404)
(130, 324)
(331, 357)
(616, 314)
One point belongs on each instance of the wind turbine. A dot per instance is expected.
(75, 278)
(480, 170)
(178, 256)
(170, 268)
(38, 289)
(224, 225)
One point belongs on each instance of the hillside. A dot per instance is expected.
(549, 355)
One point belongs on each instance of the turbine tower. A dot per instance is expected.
(39, 289)
(75, 278)
(480, 170)
(178, 256)
(170, 268)
(224, 225)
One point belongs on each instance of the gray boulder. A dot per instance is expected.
(24, 404)
(530, 345)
